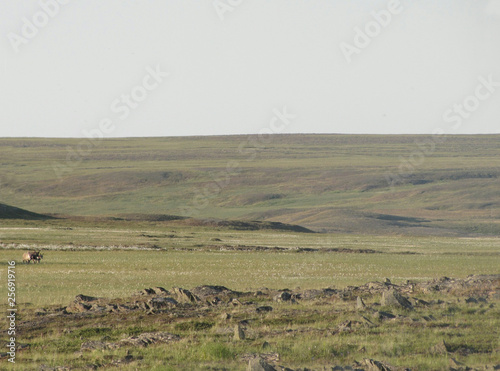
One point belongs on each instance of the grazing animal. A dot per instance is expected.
(34, 256)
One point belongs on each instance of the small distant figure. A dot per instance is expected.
(32, 256)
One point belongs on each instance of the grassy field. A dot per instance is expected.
(116, 258)
(106, 258)
(184, 212)
(423, 185)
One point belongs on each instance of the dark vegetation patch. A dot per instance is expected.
(11, 212)
(247, 225)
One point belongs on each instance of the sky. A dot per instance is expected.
(128, 68)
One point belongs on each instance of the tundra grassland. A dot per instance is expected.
(394, 209)
(113, 258)
(362, 184)
(116, 258)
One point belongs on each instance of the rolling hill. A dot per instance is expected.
(382, 184)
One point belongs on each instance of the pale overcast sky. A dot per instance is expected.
(68, 66)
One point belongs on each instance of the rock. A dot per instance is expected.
(144, 292)
(205, 291)
(236, 302)
(225, 316)
(383, 315)
(345, 326)
(82, 303)
(77, 308)
(264, 309)
(471, 300)
(440, 348)
(373, 365)
(161, 303)
(160, 291)
(360, 304)
(258, 364)
(94, 345)
(394, 298)
(316, 294)
(184, 296)
(239, 334)
(148, 338)
(283, 296)
(266, 345)
(142, 340)
(366, 321)
(85, 298)
(455, 363)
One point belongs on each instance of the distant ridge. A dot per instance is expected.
(11, 212)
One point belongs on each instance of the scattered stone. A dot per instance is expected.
(264, 309)
(315, 294)
(455, 363)
(394, 298)
(85, 298)
(360, 304)
(236, 302)
(204, 292)
(429, 318)
(144, 292)
(258, 364)
(367, 321)
(161, 303)
(239, 334)
(345, 326)
(383, 315)
(440, 348)
(184, 296)
(142, 340)
(77, 308)
(283, 296)
(94, 345)
(148, 338)
(56, 368)
(160, 291)
(373, 365)
(82, 303)
(214, 301)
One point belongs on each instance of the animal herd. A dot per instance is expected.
(32, 256)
